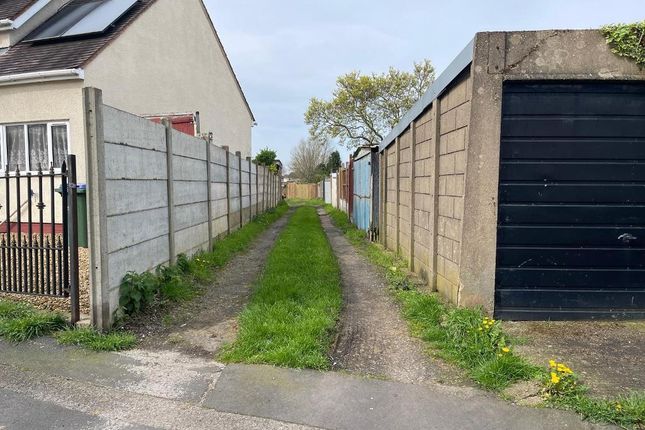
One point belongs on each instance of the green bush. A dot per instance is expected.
(627, 40)
(138, 290)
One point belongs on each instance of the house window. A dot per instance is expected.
(30, 147)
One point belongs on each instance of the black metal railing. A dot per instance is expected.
(39, 251)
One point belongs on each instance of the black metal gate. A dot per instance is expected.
(571, 234)
(38, 236)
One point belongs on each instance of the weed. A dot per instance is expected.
(95, 341)
(12, 310)
(29, 325)
(627, 411)
(138, 290)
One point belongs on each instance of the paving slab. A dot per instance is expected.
(22, 413)
(164, 374)
(336, 401)
(81, 405)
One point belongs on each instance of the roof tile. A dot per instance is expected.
(11, 9)
(65, 53)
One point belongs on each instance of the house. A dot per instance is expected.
(154, 58)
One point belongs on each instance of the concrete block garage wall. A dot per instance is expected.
(440, 165)
(425, 188)
(155, 193)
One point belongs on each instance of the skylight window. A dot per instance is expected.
(82, 17)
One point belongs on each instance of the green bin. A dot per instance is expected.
(81, 212)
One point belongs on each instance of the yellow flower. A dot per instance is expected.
(563, 368)
(552, 363)
(554, 378)
(619, 407)
(506, 350)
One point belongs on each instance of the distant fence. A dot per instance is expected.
(302, 191)
(155, 193)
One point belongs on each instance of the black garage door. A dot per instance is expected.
(571, 229)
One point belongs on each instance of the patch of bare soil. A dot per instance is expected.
(373, 339)
(609, 356)
(202, 326)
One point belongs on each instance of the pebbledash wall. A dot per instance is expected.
(440, 190)
(155, 193)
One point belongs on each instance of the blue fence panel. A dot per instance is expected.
(362, 193)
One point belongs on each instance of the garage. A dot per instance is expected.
(571, 214)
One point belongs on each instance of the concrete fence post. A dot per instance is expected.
(171, 191)
(436, 138)
(413, 159)
(257, 189)
(397, 194)
(209, 189)
(97, 208)
(383, 199)
(238, 154)
(248, 159)
(228, 190)
(265, 189)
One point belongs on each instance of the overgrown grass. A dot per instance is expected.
(296, 302)
(91, 339)
(627, 411)
(20, 322)
(466, 337)
(184, 280)
(479, 345)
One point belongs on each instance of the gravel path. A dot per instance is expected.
(373, 339)
(211, 321)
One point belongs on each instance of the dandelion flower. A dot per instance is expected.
(555, 378)
(506, 350)
(552, 363)
(619, 407)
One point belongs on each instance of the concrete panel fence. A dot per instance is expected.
(155, 193)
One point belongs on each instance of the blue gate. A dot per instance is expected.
(365, 210)
(362, 193)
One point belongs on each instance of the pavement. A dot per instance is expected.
(47, 386)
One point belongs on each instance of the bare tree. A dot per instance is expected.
(307, 157)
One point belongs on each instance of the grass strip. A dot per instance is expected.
(20, 322)
(296, 302)
(91, 339)
(468, 338)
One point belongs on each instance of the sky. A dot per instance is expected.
(285, 52)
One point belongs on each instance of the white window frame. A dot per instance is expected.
(50, 149)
